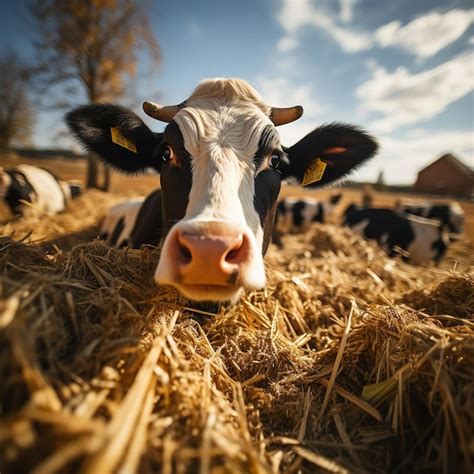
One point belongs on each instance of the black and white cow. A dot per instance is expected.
(450, 214)
(221, 164)
(119, 222)
(295, 215)
(28, 190)
(423, 239)
(134, 222)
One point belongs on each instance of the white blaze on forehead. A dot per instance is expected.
(222, 139)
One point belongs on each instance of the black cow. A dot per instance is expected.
(221, 165)
(423, 239)
(29, 190)
(451, 214)
(295, 215)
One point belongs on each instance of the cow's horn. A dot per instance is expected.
(165, 113)
(280, 116)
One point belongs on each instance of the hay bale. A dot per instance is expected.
(78, 223)
(437, 299)
(336, 365)
(339, 240)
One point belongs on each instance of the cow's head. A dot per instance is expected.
(221, 165)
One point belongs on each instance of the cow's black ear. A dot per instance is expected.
(117, 135)
(328, 153)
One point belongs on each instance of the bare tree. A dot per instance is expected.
(380, 182)
(16, 111)
(91, 46)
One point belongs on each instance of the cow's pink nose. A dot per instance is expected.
(211, 259)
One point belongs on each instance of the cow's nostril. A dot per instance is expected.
(232, 255)
(236, 254)
(184, 251)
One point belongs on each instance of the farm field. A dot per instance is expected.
(86, 220)
(347, 362)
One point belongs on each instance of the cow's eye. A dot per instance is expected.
(167, 154)
(275, 160)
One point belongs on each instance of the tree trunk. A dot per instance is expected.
(92, 172)
(107, 173)
(92, 161)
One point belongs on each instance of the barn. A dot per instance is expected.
(447, 175)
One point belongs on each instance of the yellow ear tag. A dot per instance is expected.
(314, 172)
(122, 141)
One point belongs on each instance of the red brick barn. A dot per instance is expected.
(447, 175)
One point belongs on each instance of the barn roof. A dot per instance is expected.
(458, 164)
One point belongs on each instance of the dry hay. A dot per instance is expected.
(77, 224)
(348, 361)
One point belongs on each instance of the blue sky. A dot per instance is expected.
(404, 70)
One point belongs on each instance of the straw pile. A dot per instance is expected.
(79, 224)
(347, 362)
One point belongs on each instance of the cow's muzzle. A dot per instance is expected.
(210, 261)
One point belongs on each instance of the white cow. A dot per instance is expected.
(29, 190)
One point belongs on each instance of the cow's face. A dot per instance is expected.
(228, 181)
(221, 164)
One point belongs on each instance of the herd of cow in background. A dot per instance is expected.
(417, 232)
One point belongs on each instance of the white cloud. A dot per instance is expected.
(401, 158)
(404, 98)
(281, 92)
(281, 64)
(428, 34)
(287, 43)
(347, 10)
(424, 36)
(293, 14)
(297, 14)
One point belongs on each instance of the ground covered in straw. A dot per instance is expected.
(347, 362)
